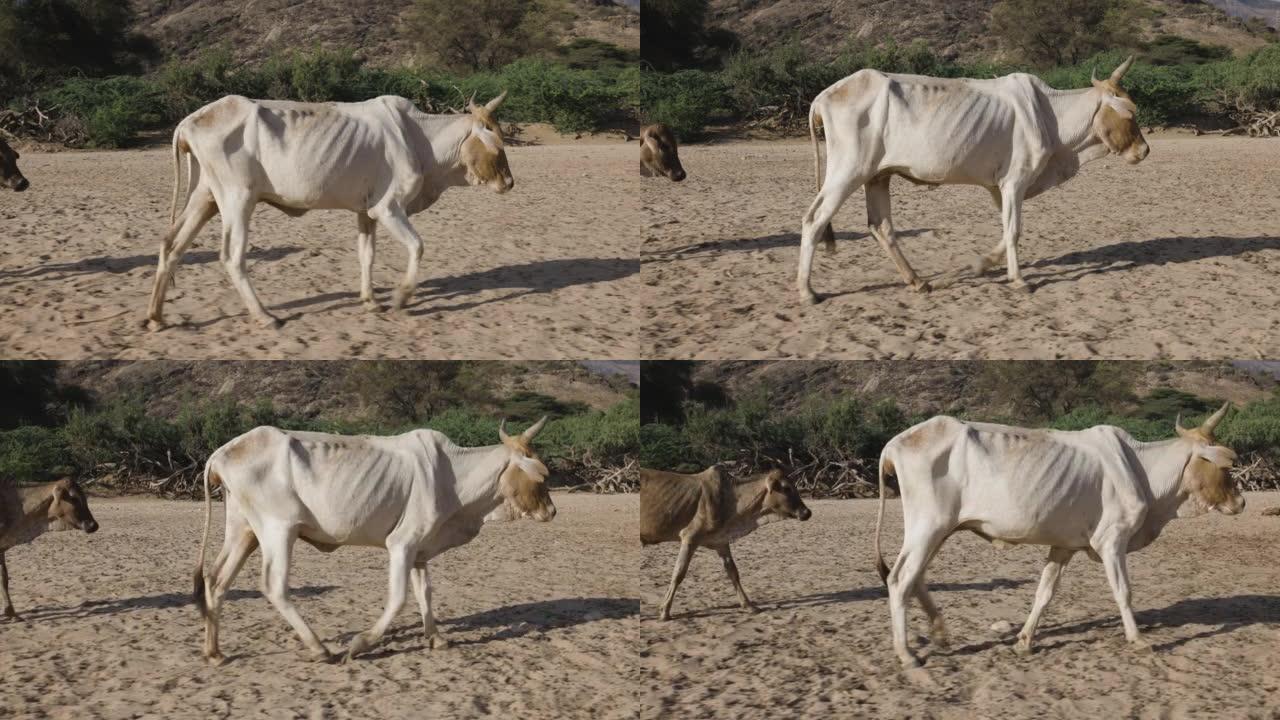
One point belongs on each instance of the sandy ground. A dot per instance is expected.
(540, 627)
(1177, 257)
(546, 271)
(1206, 593)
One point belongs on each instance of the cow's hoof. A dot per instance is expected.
(922, 286)
(1140, 645)
(808, 297)
(271, 322)
(372, 306)
(12, 616)
(940, 640)
(1022, 647)
(911, 663)
(155, 325)
(1020, 285)
(751, 608)
(438, 642)
(215, 659)
(664, 616)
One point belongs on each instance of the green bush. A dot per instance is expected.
(687, 101)
(33, 454)
(111, 110)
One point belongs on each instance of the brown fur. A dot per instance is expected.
(10, 176)
(660, 153)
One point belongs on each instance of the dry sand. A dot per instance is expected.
(546, 271)
(541, 626)
(1206, 594)
(1178, 257)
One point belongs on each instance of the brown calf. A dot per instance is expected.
(27, 513)
(659, 154)
(711, 509)
(10, 176)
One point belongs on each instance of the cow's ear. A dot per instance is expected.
(1119, 105)
(1220, 456)
(774, 480)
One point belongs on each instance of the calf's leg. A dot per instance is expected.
(1058, 558)
(420, 578)
(731, 570)
(9, 612)
(401, 562)
(682, 566)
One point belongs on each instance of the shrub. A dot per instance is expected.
(687, 101)
(111, 110)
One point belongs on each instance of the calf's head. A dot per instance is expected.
(782, 498)
(523, 483)
(1116, 121)
(70, 507)
(9, 173)
(1206, 478)
(659, 154)
(483, 156)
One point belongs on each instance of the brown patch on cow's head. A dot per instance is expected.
(523, 483)
(1206, 478)
(483, 156)
(70, 506)
(659, 153)
(1116, 121)
(782, 498)
(10, 176)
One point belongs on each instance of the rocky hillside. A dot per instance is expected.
(1268, 11)
(327, 390)
(948, 387)
(253, 29)
(957, 29)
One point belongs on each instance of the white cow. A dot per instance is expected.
(1014, 135)
(381, 159)
(415, 494)
(1096, 490)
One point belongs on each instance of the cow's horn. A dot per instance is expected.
(534, 429)
(502, 430)
(1214, 419)
(1177, 425)
(1120, 71)
(1093, 76)
(471, 101)
(493, 104)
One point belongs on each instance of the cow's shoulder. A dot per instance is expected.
(222, 112)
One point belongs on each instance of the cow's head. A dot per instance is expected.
(659, 154)
(1116, 121)
(781, 497)
(1206, 478)
(523, 483)
(483, 157)
(69, 507)
(10, 176)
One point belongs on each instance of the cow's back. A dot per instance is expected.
(669, 501)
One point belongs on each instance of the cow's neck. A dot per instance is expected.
(477, 471)
(1163, 462)
(749, 503)
(447, 133)
(32, 521)
(1074, 110)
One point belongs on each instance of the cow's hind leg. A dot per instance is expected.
(420, 578)
(366, 243)
(277, 549)
(731, 569)
(401, 557)
(905, 579)
(237, 209)
(687, 548)
(9, 612)
(239, 544)
(199, 210)
(817, 221)
(1058, 558)
(397, 223)
(880, 223)
(1011, 214)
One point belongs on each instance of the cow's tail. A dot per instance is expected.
(815, 122)
(886, 468)
(200, 594)
(177, 175)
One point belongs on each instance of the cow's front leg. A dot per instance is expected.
(420, 578)
(397, 223)
(401, 557)
(687, 548)
(9, 612)
(1011, 214)
(1113, 560)
(236, 211)
(1058, 558)
(366, 244)
(731, 569)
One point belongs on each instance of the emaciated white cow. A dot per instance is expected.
(1014, 135)
(381, 159)
(415, 494)
(1096, 490)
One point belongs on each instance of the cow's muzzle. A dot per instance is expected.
(91, 527)
(19, 185)
(677, 175)
(803, 514)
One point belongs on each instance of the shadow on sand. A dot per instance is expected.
(121, 265)
(163, 601)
